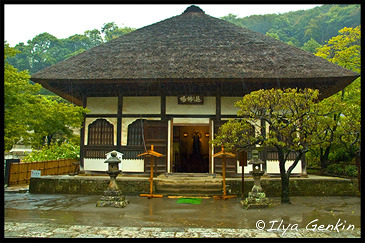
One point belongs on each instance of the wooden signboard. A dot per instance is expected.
(242, 158)
(190, 99)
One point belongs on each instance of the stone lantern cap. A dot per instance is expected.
(256, 161)
(112, 157)
(119, 155)
(255, 158)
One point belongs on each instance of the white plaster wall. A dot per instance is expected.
(95, 165)
(90, 120)
(102, 105)
(227, 105)
(186, 121)
(141, 105)
(126, 121)
(128, 165)
(272, 167)
(208, 107)
(246, 168)
(132, 165)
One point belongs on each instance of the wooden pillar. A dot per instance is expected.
(82, 135)
(119, 123)
(163, 107)
(218, 113)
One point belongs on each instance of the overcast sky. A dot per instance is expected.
(24, 21)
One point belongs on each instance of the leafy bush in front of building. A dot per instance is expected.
(341, 169)
(65, 150)
(351, 170)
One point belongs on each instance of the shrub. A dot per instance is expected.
(351, 170)
(334, 169)
(53, 152)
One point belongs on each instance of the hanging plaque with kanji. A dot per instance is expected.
(190, 99)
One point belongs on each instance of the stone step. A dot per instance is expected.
(188, 192)
(189, 185)
(195, 188)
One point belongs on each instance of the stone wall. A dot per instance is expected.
(95, 185)
(85, 185)
(300, 187)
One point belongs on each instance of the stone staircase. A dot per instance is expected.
(188, 184)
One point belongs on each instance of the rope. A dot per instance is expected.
(142, 130)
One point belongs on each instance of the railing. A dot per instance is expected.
(131, 152)
(98, 152)
(20, 172)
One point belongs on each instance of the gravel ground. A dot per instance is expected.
(74, 216)
(38, 230)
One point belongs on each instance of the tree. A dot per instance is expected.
(35, 119)
(284, 29)
(56, 123)
(293, 118)
(94, 36)
(298, 27)
(343, 50)
(19, 101)
(112, 31)
(311, 46)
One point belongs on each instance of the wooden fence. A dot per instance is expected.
(20, 172)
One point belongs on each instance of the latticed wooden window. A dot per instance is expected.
(135, 132)
(101, 132)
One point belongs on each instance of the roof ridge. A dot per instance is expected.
(193, 9)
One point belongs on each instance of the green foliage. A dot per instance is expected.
(292, 115)
(112, 31)
(345, 133)
(19, 101)
(341, 169)
(56, 121)
(311, 46)
(32, 118)
(334, 170)
(53, 152)
(294, 123)
(344, 49)
(45, 49)
(351, 170)
(299, 27)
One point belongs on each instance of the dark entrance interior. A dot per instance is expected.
(191, 149)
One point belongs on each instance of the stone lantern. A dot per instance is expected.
(256, 198)
(257, 171)
(113, 197)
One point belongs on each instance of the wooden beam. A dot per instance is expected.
(119, 122)
(163, 107)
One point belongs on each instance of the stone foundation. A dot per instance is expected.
(114, 199)
(95, 185)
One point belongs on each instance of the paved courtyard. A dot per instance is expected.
(69, 216)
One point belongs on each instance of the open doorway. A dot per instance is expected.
(191, 149)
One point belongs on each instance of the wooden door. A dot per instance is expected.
(155, 132)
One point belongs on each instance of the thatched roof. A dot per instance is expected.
(193, 48)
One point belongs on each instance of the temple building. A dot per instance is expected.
(173, 84)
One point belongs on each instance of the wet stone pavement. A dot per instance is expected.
(74, 216)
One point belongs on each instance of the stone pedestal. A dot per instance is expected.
(255, 200)
(113, 199)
